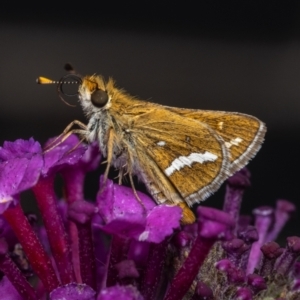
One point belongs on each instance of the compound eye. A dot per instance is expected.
(99, 98)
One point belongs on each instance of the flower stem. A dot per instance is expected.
(263, 222)
(13, 273)
(153, 274)
(213, 225)
(56, 232)
(118, 252)
(36, 254)
(87, 255)
(187, 273)
(73, 234)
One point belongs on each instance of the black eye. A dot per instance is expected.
(99, 98)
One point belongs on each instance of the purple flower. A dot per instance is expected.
(20, 167)
(73, 291)
(120, 292)
(135, 227)
(62, 154)
(124, 215)
(124, 246)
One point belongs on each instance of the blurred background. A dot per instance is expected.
(241, 56)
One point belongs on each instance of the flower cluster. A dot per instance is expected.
(118, 246)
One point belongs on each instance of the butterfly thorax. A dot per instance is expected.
(112, 121)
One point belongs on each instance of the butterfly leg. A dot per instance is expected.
(135, 192)
(67, 132)
(110, 145)
(52, 145)
(120, 176)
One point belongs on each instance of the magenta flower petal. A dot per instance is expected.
(9, 290)
(82, 211)
(19, 148)
(124, 215)
(117, 201)
(73, 291)
(90, 159)
(120, 292)
(126, 227)
(121, 211)
(66, 153)
(161, 222)
(20, 166)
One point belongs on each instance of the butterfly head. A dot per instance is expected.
(92, 92)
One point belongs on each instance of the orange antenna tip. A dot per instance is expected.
(44, 80)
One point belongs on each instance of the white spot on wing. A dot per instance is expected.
(236, 141)
(228, 144)
(233, 142)
(183, 161)
(161, 143)
(220, 125)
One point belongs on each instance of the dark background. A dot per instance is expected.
(222, 55)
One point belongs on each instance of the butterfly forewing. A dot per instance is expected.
(243, 134)
(187, 152)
